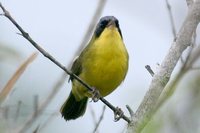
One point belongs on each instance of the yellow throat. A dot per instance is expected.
(105, 64)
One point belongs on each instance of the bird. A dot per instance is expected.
(102, 64)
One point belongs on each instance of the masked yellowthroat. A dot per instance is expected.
(103, 64)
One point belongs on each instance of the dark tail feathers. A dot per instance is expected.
(73, 109)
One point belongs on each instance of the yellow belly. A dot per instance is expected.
(104, 66)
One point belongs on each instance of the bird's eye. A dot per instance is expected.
(101, 26)
(104, 23)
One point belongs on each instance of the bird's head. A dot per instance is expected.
(107, 23)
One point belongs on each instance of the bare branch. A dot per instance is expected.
(100, 119)
(161, 77)
(130, 111)
(47, 121)
(6, 112)
(170, 89)
(171, 18)
(36, 129)
(35, 105)
(18, 110)
(93, 116)
(188, 65)
(149, 70)
(173, 27)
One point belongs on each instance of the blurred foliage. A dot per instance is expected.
(10, 58)
(8, 54)
(7, 89)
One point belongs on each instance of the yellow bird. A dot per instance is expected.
(103, 64)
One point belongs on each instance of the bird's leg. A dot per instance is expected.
(118, 114)
(95, 94)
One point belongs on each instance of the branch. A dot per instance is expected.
(187, 66)
(93, 117)
(48, 120)
(100, 119)
(170, 89)
(149, 70)
(50, 57)
(192, 56)
(162, 76)
(171, 18)
(130, 111)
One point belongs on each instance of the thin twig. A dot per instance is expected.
(173, 27)
(171, 18)
(100, 119)
(93, 115)
(50, 57)
(130, 110)
(35, 105)
(191, 58)
(6, 112)
(49, 119)
(18, 110)
(149, 70)
(36, 129)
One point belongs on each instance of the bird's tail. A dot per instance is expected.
(73, 109)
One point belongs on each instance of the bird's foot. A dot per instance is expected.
(118, 114)
(95, 94)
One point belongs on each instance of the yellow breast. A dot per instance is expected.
(105, 64)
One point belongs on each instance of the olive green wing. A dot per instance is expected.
(77, 64)
(76, 68)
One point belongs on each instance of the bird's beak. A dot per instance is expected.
(111, 24)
